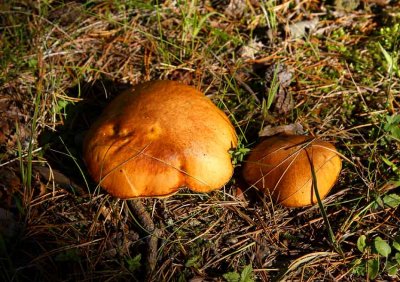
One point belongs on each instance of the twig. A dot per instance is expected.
(148, 225)
(247, 87)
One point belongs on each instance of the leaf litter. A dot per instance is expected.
(323, 83)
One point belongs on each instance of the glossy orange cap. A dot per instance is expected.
(157, 137)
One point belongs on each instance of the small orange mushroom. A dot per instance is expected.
(157, 137)
(281, 166)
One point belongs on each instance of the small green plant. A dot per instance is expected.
(238, 154)
(391, 61)
(379, 257)
(273, 89)
(267, 7)
(134, 263)
(392, 126)
(245, 276)
(193, 261)
(391, 200)
(192, 23)
(390, 36)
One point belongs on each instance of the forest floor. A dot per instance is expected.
(330, 66)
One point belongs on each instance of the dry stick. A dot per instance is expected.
(154, 232)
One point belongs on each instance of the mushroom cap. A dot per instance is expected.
(157, 137)
(280, 166)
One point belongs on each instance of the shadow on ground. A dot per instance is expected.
(65, 231)
(63, 147)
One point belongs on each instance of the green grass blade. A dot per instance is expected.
(322, 208)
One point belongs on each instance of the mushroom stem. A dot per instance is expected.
(154, 233)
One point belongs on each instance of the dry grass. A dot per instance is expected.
(62, 62)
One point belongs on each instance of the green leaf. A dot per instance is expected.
(193, 261)
(361, 244)
(382, 247)
(373, 268)
(392, 200)
(395, 132)
(392, 125)
(390, 163)
(247, 274)
(134, 263)
(392, 64)
(397, 257)
(32, 63)
(232, 277)
(358, 268)
(61, 105)
(396, 243)
(394, 119)
(392, 268)
(379, 201)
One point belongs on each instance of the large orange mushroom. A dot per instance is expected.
(281, 166)
(157, 137)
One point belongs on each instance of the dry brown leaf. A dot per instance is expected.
(288, 129)
(235, 9)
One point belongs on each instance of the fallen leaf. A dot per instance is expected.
(346, 5)
(299, 29)
(289, 129)
(250, 50)
(235, 9)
